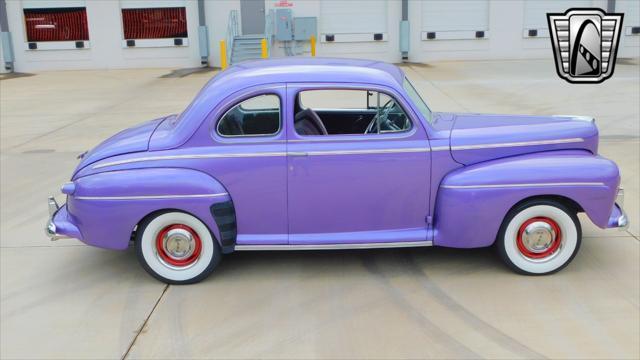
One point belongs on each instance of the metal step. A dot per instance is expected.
(246, 47)
(242, 47)
(247, 37)
(247, 51)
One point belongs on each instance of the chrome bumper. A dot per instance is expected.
(50, 230)
(621, 221)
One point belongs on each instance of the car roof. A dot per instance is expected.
(285, 70)
(310, 69)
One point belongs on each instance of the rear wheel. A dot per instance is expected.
(539, 237)
(176, 248)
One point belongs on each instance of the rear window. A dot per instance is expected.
(256, 116)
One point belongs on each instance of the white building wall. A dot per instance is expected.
(106, 50)
(506, 23)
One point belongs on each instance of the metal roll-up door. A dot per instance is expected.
(353, 20)
(462, 19)
(535, 14)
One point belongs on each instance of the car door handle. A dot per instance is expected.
(298, 153)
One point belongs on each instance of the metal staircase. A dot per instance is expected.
(246, 47)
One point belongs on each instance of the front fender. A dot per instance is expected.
(107, 206)
(472, 201)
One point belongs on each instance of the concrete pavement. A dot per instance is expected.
(68, 300)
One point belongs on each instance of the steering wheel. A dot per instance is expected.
(383, 116)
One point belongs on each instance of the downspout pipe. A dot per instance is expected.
(404, 31)
(5, 38)
(203, 35)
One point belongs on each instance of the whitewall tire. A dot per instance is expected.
(176, 248)
(539, 237)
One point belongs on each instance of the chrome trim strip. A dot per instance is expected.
(264, 154)
(578, 117)
(144, 197)
(192, 156)
(334, 246)
(337, 152)
(440, 148)
(517, 144)
(521, 185)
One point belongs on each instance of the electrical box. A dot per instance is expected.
(284, 31)
(304, 27)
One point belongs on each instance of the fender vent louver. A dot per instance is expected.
(224, 215)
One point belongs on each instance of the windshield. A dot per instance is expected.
(417, 100)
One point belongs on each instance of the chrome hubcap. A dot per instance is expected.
(178, 244)
(538, 237)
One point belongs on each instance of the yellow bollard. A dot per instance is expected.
(263, 47)
(223, 54)
(313, 45)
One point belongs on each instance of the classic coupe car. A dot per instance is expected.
(297, 154)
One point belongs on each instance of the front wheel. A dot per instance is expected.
(176, 248)
(539, 237)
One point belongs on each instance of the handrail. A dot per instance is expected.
(233, 30)
(268, 30)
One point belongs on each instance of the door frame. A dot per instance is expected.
(247, 13)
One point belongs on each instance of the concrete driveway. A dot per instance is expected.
(68, 300)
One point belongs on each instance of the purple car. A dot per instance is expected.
(297, 154)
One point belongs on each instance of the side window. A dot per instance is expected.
(256, 116)
(338, 111)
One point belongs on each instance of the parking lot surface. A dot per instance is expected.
(67, 300)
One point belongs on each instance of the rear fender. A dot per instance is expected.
(473, 201)
(107, 206)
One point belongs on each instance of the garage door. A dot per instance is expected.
(535, 14)
(464, 19)
(353, 20)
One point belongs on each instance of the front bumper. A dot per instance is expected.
(59, 225)
(618, 218)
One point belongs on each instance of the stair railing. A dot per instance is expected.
(233, 30)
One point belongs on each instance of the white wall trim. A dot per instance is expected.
(354, 37)
(56, 45)
(542, 33)
(628, 29)
(454, 35)
(155, 43)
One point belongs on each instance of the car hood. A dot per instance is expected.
(133, 139)
(480, 137)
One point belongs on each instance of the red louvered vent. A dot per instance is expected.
(56, 24)
(154, 23)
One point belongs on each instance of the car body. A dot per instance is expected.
(273, 177)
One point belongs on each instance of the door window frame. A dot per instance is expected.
(235, 99)
(297, 88)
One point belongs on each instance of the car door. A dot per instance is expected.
(355, 187)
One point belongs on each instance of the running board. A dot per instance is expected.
(334, 246)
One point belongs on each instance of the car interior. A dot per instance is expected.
(372, 117)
